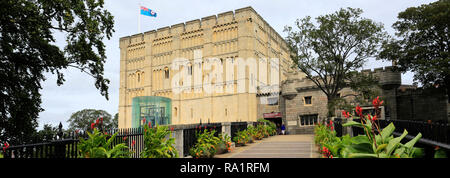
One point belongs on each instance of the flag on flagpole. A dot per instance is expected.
(147, 12)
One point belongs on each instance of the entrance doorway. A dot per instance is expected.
(277, 121)
(276, 118)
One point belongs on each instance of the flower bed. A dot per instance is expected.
(376, 143)
(264, 129)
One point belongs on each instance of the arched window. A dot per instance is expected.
(166, 72)
(139, 77)
(175, 111)
(189, 69)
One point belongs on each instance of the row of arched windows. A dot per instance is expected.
(135, 80)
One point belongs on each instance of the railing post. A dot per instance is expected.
(338, 127)
(226, 128)
(60, 147)
(178, 135)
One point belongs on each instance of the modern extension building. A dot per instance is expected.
(169, 76)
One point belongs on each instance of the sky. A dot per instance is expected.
(78, 91)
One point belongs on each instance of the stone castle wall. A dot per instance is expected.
(146, 59)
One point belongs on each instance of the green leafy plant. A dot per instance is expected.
(206, 144)
(156, 143)
(439, 153)
(241, 138)
(262, 131)
(270, 126)
(4, 147)
(376, 143)
(379, 143)
(99, 145)
(254, 133)
(329, 144)
(224, 144)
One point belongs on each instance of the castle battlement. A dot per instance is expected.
(385, 75)
(213, 21)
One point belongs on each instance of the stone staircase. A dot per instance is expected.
(301, 130)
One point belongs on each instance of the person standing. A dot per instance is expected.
(283, 129)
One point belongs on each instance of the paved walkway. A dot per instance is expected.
(279, 146)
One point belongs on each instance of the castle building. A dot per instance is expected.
(212, 69)
(234, 67)
(303, 104)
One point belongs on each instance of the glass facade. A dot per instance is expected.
(154, 109)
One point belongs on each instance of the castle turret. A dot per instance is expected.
(389, 81)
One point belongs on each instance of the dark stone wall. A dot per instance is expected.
(422, 104)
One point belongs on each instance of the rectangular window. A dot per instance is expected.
(308, 100)
(308, 119)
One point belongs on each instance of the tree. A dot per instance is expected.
(48, 133)
(423, 44)
(116, 121)
(83, 119)
(27, 50)
(330, 53)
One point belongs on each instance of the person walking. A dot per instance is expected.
(283, 129)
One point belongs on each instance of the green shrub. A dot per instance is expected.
(380, 144)
(156, 145)
(241, 138)
(206, 144)
(224, 144)
(99, 146)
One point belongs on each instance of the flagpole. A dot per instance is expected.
(139, 19)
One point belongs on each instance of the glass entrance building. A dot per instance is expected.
(154, 109)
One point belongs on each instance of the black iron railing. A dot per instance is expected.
(432, 131)
(190, 134)
(66, 145)
(236, 127)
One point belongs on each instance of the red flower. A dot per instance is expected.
(374, 118)
(96, 121)
(6, 145)
(171, 129)
(376, 102)
(358, 110)
(133, 142)
(92, 126)
(330, 125)
(125, 138)
(150, 124)
(144, 120)
(344, 113)
(326, 153)
(101, 119)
